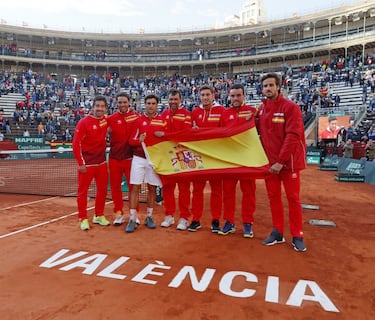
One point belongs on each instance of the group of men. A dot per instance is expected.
(280, 127)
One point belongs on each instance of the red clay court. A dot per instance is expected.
(50, 269)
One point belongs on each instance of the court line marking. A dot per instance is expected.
(44, 223)
(27, 203)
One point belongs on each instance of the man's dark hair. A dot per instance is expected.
(173, 92)
(152, 96)
(100, 98)
(123, 94)
(238, 86)
(331, 119)
(271, 75)
(207, 87)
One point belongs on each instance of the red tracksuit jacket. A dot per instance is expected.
(281, 119)
(121, 126)
(147, 125)
(231, 115)
(89, 141)
(177, 121)
(211, 118)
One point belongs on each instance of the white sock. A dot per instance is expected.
(149, 212)
(133, 214)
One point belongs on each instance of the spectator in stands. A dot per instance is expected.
(337, 100)
(40, 129)
(68, 135)
(371, 132)
(370, 150)
(286, 151)
(341, 135)
(7, 127)
(372, 103)
(1, 136)
(89, 149)
(364, 140)
(348, 149)
(351, 132)
(26, 133)
(54, 137)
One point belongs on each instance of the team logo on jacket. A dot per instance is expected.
(278, 118)
(185, 159)
(103, 122)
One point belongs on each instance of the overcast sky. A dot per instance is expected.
(128, 16)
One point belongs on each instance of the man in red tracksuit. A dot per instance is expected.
(281, 130)
(207, 114)
(141, 170)
(238, 113)
(89, 146)
(120, 125)
(177, 118)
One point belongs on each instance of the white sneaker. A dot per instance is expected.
(182, 224)
(137, 221)
(119, 220)
(168, 221)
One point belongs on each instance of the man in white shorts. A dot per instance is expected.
(141, 170)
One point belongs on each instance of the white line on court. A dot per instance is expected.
(43, 223)
(27, 203)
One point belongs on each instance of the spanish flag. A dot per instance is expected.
(205, 153)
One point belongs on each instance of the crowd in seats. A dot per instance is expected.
(59, 103)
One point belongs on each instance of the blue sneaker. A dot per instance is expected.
(274, 238)
(227, 229)
(248, 230)
(131, 226)
(298, 244)
(149, 222)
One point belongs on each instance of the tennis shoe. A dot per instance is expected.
(248, 230)
(149, 222)
(227, 229)
(102, 220)
(194, 226)
(168, 221)
(119, 220)
(131, 226)
(274, 238)
(84, 224)
(298, 244)
(182, 224)
(215, 226)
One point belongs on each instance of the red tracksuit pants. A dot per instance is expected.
(248, 202)
(216, 199)
(100, 174)
(117, 169)
(291, 182)
(183, 199)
